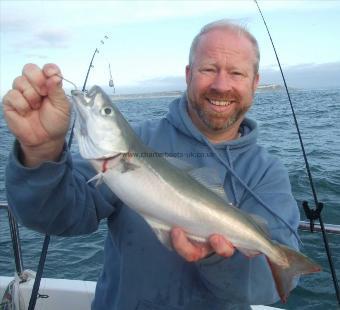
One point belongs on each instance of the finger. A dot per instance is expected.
(29, 93)
(15, 101)
(55, 91)
(184, 247)
(221, 246)
(54, 83)
(205, 248)
(36, 78)
(51, 70)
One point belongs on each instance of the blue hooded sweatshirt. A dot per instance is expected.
(139, 273)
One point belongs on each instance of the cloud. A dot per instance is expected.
(53, 38)
(326, 75)
(36, 56)
(49, 38)
(170, 83)
(25, 28)
(12, 24)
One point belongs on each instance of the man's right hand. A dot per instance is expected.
(38, 113)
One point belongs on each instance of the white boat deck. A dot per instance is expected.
(63, 294)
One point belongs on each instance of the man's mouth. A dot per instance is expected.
(219, 102)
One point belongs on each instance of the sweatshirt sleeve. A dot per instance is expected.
(249, 280)
(55, 198)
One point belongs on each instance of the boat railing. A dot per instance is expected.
(14, 230)
(15, 237)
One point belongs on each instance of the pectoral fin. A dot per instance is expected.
(99, 178)
(162, 232)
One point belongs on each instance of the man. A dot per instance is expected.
(138, 272)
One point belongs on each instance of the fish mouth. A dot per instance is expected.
(81, 97)
(85, 98)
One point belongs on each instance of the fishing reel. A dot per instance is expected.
(312, 214)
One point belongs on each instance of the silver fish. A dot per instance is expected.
(167, 196)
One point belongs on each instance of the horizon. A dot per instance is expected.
(145, 92)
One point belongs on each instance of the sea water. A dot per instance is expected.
(318, 115)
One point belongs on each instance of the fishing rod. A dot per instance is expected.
(311, 214)
(88, 70)
(43, 255)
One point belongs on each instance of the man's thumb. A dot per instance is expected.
(55, 91)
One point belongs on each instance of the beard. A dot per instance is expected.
(218, 121)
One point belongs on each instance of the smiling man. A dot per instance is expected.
(221, 77)
(209, 121)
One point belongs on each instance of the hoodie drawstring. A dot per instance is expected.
(234, 174)
(233, 185)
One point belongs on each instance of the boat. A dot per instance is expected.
(56, 294)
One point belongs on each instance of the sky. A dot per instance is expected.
(148, 41)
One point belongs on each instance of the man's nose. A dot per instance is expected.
(222, 82)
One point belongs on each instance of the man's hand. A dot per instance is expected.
(192, 251)
(38, 113)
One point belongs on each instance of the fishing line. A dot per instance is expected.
(35, 290)
(314, 214)
(111, 84)
(69, 143)
(68, 81)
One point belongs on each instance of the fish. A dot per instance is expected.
(168, 194)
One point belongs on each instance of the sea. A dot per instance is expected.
(318, 116)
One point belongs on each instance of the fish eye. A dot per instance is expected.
(107, 111)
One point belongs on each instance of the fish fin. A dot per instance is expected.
(260, 221)
(295, 264)
(249, 253)
(162, 231)
(209, 178)
(180, 164)
(127, 166)
(196, 239)
(99, 178)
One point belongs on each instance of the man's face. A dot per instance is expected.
(221, 83)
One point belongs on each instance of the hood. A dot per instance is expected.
(178, 116)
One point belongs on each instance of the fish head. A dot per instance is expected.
(99, 125)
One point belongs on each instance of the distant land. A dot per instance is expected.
(269, 87)
(177, 93)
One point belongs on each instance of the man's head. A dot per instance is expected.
(222, 77)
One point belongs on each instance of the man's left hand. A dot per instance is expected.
(193, 251)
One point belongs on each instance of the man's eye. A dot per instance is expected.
(208, 70)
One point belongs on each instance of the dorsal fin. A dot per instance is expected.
(180, 164)
(261, 222)
(207, 176)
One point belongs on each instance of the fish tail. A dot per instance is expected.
(295, 264)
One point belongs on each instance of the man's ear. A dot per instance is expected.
(188, 74)
(256, 82)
